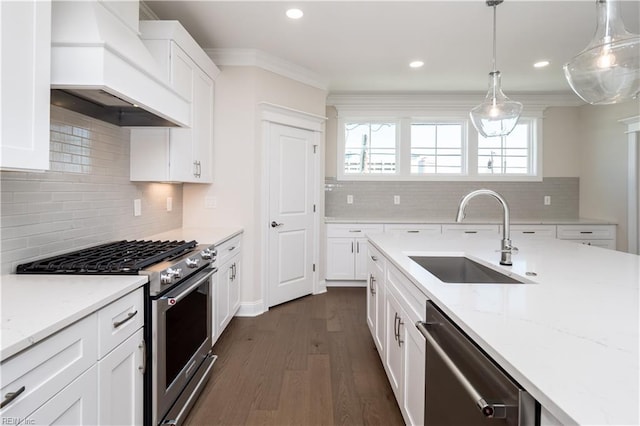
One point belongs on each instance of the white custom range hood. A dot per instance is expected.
(101, 68)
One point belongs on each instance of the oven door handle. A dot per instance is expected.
(185, 292)
(491, 410)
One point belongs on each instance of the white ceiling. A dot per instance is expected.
(367, 45)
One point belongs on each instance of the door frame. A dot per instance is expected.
(275, 114)
(633, 184)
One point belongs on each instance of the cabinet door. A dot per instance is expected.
(76, 404)
(340, 258)
(372, 299)
(361, 258)
(223, 315)
(414, 374)
(234, 286)
(120, 378)
(202, 126)
(25, 35)
(393, 345)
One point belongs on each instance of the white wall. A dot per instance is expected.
(603, 153)
(237, 162)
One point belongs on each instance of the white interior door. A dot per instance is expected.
(291, 207)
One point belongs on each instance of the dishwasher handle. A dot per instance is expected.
(491, 410)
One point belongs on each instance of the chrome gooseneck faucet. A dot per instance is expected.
(506, 249)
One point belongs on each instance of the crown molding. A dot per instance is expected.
(411, 102)
(260, 59)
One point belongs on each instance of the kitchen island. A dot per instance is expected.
(569, 336)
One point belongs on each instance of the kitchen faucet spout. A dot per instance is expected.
(506, 248)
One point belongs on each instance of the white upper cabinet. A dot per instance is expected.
(178, 154)
(25, 34)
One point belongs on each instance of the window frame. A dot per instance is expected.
(469, 149)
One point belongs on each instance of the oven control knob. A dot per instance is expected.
(177, 273)
(207, 254)
(166, 278)
(192, 263)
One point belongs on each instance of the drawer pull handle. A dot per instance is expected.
(10, 396)
(528, 232)
(232, 248)
(355, 230)
(130, 315)
(413, 232)
(374, 258)
(586, 232)
(470, 232)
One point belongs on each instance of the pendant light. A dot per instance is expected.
(607, 71)
(497, 115)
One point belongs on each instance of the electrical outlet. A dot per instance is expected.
(137, 207)
(547, 200)
(169, 204)
(396, 199)
(210, 202)
(349, 199)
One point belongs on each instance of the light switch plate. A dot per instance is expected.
(169, 204)
(396, 199)
(137, 207)
(349, 199)
(547, 200)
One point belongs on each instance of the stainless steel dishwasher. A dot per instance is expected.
(463, 386)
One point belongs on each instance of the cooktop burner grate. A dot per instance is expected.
(119, 257)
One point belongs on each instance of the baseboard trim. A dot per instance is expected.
(251, 309)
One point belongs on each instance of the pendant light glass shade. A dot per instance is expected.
(607, 71)
(497, 115)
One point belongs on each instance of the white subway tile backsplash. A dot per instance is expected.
(86, 198)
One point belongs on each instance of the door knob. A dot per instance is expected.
(275, 224)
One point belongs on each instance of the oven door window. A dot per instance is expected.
(186, 330)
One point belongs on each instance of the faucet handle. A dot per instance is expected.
(509, 249)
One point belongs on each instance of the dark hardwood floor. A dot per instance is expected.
(311, 361)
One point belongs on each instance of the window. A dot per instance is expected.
(370, 147)
(436, 148)
(511, 154)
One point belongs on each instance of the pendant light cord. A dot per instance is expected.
(494, 38)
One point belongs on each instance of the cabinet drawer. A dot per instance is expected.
(470, 230)
(228, 249)
(589, 232)
(48, 366)
(119, 320)
(408, 228)
(532, 232)
(353, 230)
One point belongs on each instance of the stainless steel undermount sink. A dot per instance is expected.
(462, 270)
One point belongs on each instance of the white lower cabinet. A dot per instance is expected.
(87, 373)
(120, 383)
(375, 298)
(227, 285)
(592, 235)
(76, 404)
(347, 254)
(404, 347)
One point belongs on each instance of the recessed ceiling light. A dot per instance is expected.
(295, 13)
(416, 64)
(541, 64)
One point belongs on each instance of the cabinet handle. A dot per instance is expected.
(400, 323)
(586, 232)
(371, 281)
(143, 347)
(396, 328)
(355, 230)
(351, 246)
(413, 232)
(10, 396)
(528, 232)
(374, 258)
(232, 248)
(470, 232)
(129, 317)
(357, 246)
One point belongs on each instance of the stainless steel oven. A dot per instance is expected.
(181, 346)
(463, 386)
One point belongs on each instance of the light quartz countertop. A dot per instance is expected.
(215, 235)
(570, 338)
(37, 306)
(451, 220)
